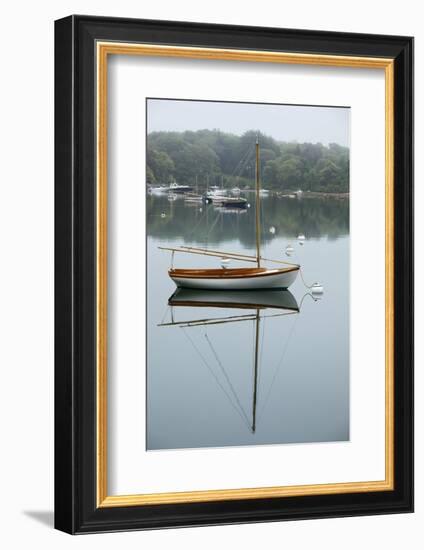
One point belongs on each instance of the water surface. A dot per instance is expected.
(202, 387)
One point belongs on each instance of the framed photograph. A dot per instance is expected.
(234, 274)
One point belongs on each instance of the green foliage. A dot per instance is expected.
(207, 157)
(160, 166)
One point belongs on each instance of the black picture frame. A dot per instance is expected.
(76, 510)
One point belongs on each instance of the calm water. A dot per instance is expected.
(201, 377)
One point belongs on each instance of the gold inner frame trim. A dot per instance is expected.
(104, 49)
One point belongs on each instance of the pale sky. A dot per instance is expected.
(282, 122)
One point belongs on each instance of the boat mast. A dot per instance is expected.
(255, 375)
(258, 207)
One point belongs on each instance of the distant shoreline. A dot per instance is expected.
(324, 195)
(289, 194)
(311, 194)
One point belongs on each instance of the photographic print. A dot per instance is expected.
(247, 274)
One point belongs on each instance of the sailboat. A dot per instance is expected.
(240, 278)
(193, 198)
(258, 302)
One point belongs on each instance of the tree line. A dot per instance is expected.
(211, 157)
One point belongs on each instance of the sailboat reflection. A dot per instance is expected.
(239, 299)
(261, 303)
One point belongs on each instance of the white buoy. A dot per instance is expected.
(163, 215)
(248, 205)
(289, 250)
(200, 209)
(301, 237)
(272, 230)
(317, 289)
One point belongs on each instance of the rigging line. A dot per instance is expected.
(303, 280)
(242, 161)
(233, 221)
(196, 225)
(213, 225)
(277, 369)
(228, 379)
(215, 377)
(166, 313)
(245, 162)
(304, 296)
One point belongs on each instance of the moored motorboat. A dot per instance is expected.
(179, 188)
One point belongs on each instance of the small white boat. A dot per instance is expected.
(263, 192)
(235, 191)
(158, 190)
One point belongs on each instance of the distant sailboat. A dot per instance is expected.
(241, 278)
(195, 197)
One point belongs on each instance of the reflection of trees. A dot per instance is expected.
(313, 217)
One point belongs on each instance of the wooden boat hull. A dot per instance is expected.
(235, 279)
